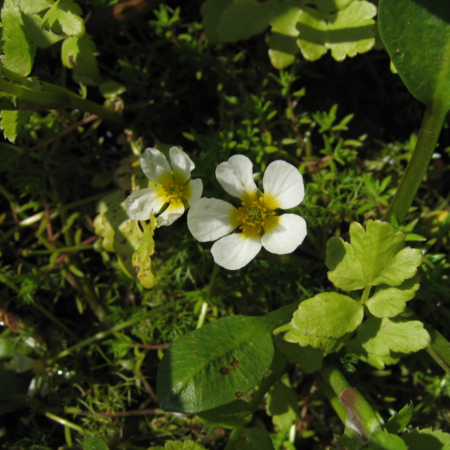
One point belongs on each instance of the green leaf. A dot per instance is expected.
(379, 250)
(417, 37)
(310, 359)
(12, 122)
(399, 421)
(63, 18)
(328, 345)
(381, 336)
(390, 301)
(112, 212)
(179, 445)
(312, 28)
(382, 440)
(355, 348)
(282, 42)
(328, 315)
(78, 54)
(111, 89)
(18, 51)
(255, 439)
(234, 414)
(215, 364)
(36, 34)
(345, 269)
(330, 6)
(426, 439)
(245, 18)
(33, 6)
(211, 11)
(351, 30)
(345, 32)
(282, 405)
(127, 239)
(95, 443)
(141, 260)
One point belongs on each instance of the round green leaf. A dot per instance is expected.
(417, 36)
(215, 364)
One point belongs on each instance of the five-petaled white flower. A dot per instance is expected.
(211, 219)
(171, 185)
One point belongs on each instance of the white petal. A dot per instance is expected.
(286, 236)
(174, 211)
(236, 176)
(145, 201)
(193, 191)
(155, 166)
(235, 251)
(285, 183)
(182, 165)
(210, 219)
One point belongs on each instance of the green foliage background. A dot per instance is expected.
(350, 126)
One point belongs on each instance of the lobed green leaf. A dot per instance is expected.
(426, 439)
(12, 122)
(78, 54)
(18, 51)
(282, 405)
(381, 336)
(64, 18)
(390, 301)
(328, 315)
(328, 345)
(383, 440)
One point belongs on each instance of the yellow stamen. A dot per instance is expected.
(254, 215)
(174, 192)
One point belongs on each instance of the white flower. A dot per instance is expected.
(172, 185)
(211, 219)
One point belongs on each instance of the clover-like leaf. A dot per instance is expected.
(399, 421)
(77, 53)
(328, 315)
(381, 336)
(64, 18)
(390, 301)
(12, 122)
(426, 439)
(141, 259)
(327, 345)
(346, 31)
(282, 42)
(18, 51)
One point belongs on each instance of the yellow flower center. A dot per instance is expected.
(254, 216)
(174, 192)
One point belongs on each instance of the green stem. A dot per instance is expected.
(234, 438)
(281, 316)
(428, 136)
(202, 316)
(332, 398)
(85, 105)
(66, 423)
(365, 295)
(264, 387)
(57, 250)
